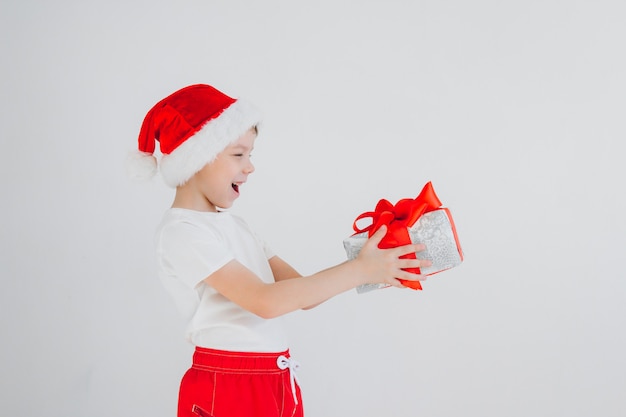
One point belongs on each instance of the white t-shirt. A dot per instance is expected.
(190, 246)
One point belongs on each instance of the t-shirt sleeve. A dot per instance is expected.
(192, 254)
(269, 253)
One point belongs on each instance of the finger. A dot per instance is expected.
(409, 276)
(414, 263)
(420, 247)
(407, 249)
(398, 284)
(404, 283)
(379, 234)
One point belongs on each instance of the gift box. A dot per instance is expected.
(419, 220)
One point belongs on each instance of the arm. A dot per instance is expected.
(282, 270)
(373, 265)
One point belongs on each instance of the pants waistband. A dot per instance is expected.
(237, 362)
(247, 363)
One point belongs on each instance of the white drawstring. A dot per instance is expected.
(284, 362)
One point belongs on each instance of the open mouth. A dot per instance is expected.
(235, 187)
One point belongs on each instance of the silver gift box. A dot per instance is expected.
(435, 230)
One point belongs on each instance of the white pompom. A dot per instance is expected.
(141, 165)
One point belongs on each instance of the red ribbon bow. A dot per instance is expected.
(398, 219)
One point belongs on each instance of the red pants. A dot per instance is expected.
(240, 384)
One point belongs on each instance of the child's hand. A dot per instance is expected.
(385, 265)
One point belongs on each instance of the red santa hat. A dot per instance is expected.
(192, 126)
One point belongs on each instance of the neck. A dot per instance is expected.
(187, 199)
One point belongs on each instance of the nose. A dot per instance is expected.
(249, 169)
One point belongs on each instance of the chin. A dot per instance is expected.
(223, 207)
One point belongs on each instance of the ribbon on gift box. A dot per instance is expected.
(399, 218)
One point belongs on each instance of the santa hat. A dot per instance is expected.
(192, 126)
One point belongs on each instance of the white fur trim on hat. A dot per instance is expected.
(202, 148)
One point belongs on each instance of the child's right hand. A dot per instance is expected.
(385, 266)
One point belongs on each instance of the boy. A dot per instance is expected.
(229, 285)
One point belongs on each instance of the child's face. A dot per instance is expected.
(219, 181)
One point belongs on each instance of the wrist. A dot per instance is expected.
(358, 272)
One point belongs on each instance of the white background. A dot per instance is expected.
(513, 109)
